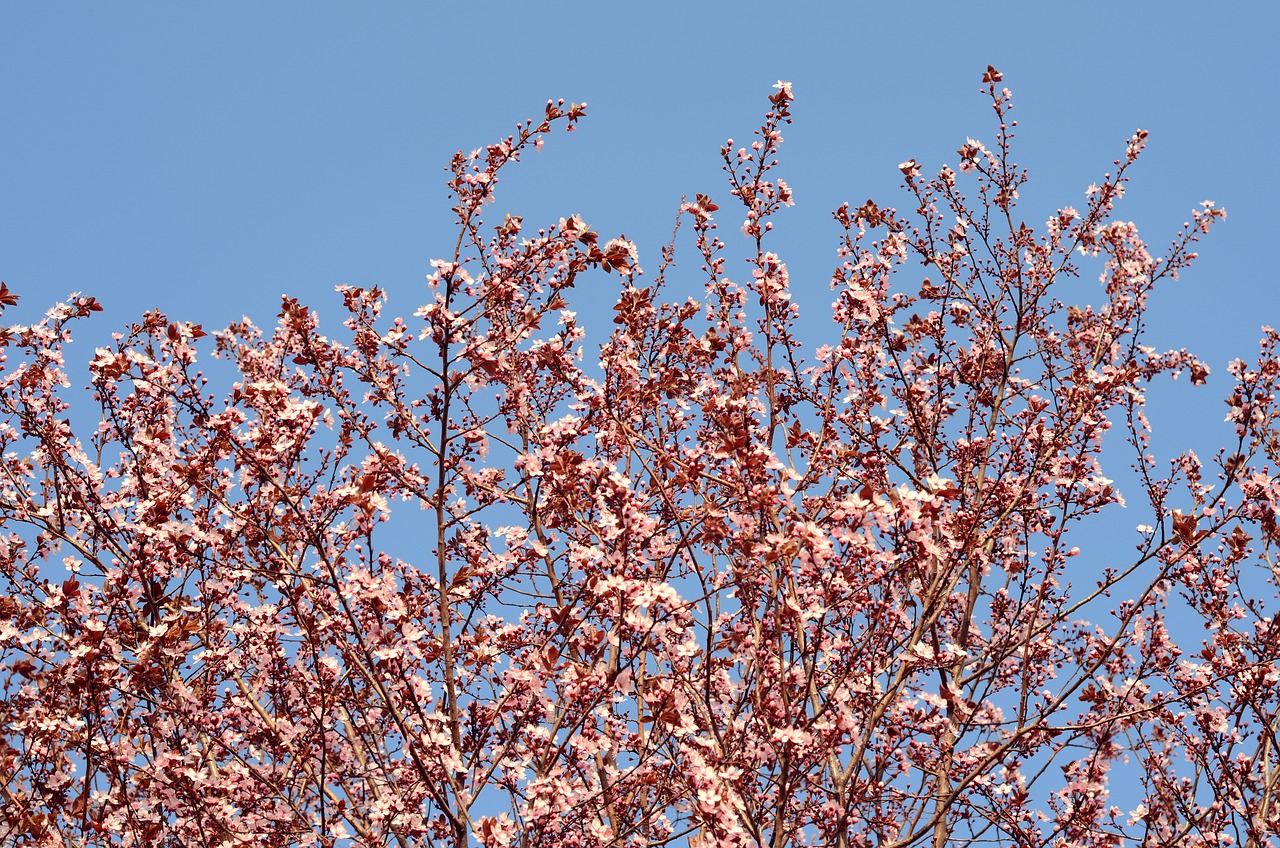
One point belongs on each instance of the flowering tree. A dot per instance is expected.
(700, 591)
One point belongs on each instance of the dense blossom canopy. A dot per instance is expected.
(702, 585)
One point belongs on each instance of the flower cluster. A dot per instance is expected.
(439, 582)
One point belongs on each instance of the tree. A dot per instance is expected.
(697, 590)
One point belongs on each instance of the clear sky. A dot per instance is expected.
(206, 158)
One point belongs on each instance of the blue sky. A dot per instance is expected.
(204, 159)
